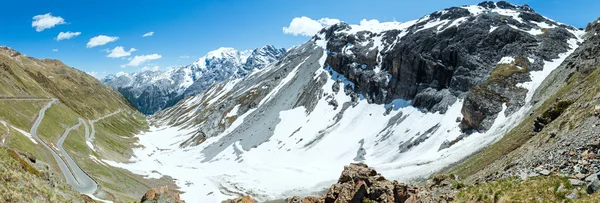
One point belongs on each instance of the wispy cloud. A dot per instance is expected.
(139, 60)
(54, 50)
(46, 21)
(67, 35)
(306, 26)
(184, 57)
(147, 68)
(119, 52)
(148, 34)
(93, 73)
(101, 40)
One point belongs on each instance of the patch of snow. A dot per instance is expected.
(98, 199)
(436, 23)
(509, 13)
(544, 25)
(93, 158)
(492, 28)
(233, 112)
(226, 89)
(375, 26)
(282, 83)
(27, 134)
(474, 9)
(90, 145)
(537, 77)
(506, 60)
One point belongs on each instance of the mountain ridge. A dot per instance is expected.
(153, 90)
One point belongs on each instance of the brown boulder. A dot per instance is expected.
(359, 183)
(161, 195)
(244, 199)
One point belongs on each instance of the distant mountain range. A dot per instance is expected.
(153, 90)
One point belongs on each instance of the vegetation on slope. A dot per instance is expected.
(579, 92)
(80, 96)
(21, 182)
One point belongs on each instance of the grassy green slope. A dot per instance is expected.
(20, 185)
(80, 96)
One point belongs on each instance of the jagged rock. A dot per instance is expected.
(160, 195)
(544, 172)
(336, 86)
(333, 103)
(575, 182)
(594, 144)
(593, 187)
(388, 110)
(360, 183)
(87, 199)
(297, 199)
(433, 100)
(244, 199)
(597, 111)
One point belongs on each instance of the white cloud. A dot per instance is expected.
(146, 68)
(101, 40)
(148, 34)
(46, 21)
(365, 22)
(139, 60)
(307, 27)
(184, 57)
(67, 35)
(93, 73)
(54, 50)
(119, 52)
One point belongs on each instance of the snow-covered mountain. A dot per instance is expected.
(406, 98)
(153, 90)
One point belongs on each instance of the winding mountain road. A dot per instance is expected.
(74, 175)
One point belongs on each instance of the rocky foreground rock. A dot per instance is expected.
(359, 183)
(161, 195)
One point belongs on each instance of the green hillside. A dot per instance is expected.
(27, 84)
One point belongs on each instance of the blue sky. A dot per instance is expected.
(193, 27)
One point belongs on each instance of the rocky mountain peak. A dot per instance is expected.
(593, 27)
(153, 90)
(505, 5)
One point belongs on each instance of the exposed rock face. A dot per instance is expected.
(153, 90)
(215, 112)
(160, 195)
(359, 183)
(445, 54)
(562, 132)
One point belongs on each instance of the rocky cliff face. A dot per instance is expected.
(153, 90)
(454, 53)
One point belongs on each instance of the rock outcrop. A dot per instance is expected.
(359, 183)
(161, 195)
(448, 54)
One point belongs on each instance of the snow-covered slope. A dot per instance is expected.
(153, 90)
(391, 95)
